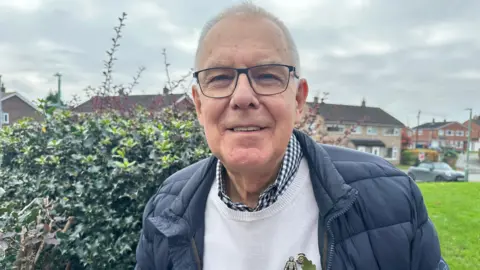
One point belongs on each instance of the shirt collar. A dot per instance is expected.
(290, 163)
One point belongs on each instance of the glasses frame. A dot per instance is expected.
(245, 71)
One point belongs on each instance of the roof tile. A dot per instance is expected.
(356, 114)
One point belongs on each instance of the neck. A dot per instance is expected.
(247, 187)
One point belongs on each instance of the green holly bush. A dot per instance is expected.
(97, 170)
(73, 188)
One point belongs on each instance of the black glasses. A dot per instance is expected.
(265, 80)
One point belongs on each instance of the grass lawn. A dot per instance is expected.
(403, 167)
(455, 210)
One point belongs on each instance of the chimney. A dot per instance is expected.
(433, 120)
(165, 91)
(444, 120)
(315, 100)
(363, 102)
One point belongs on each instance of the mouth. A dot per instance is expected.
(246, 129)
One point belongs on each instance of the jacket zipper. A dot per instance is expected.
(329, 221)
(196, 255)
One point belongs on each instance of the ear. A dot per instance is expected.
(301, 98)
(197, 101)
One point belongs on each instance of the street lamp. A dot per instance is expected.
(468, 144)
(59, 104)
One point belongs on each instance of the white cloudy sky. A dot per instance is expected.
(400, 55)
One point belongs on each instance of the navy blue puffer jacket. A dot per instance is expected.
(372, 216)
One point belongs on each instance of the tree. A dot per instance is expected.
(52, 98)
(406, 139)
(313, 124)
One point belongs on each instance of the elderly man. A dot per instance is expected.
(270, 197)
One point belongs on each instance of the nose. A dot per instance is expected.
(244, 97)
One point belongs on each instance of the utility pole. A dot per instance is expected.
(1, 97)
(468, 144)
(416, 130)
(59, 88)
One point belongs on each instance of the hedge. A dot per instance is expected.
(78, 184)
(410, 156)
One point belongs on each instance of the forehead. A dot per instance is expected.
(243, 40)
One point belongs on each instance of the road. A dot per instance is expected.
(473, 166)
(474, 163)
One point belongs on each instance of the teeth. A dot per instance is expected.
(246, 129)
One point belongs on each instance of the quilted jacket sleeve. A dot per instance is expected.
(152, 252)
(425, 252)
(144, 253)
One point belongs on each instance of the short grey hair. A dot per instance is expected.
(248, 8)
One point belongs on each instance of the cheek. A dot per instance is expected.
(285, 114)
(212, 114)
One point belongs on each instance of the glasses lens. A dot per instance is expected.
(217, 82)
(269, 79)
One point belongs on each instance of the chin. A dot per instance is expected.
(247, 158)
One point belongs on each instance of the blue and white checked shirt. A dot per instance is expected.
(290, 164)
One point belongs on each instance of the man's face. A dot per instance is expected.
(240, 42)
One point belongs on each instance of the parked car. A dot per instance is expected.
(434, 171)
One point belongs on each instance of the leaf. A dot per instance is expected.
(94, 169)
(3, 245)
(9, 234)
(61, 235)
(50, 110)
(308, 265)
(59, 219)
(52, 241)
(33, 241)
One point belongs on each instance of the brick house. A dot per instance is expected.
(16, 106)
(441, 134)
(151, 102)
(375, 131)
(475, 137)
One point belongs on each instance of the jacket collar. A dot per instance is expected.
(185, 218)
(330, 189)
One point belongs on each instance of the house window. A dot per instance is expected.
(450, 133)
(376, 151)
(371, 131)
(391, 132)
(357, 130)
(6, 118)
(335, 128)
(441, 132)
(460, 133)
(420, 131)
(362, 149)
(391, 153)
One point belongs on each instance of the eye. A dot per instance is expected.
(220, 77)
(267, 76)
